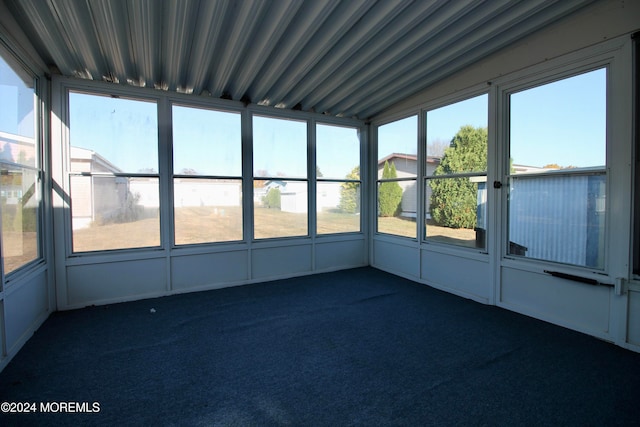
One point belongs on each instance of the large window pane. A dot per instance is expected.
(557, 184)
(19, 191)
(280, 208)
(279, 152)
(18, 112)
(207, 167)
(279, 147)
(207, 210)
(398, 144)
(338, 179)
(560, 124)
(110, 212)
(206, 142)
(337, 152)
(455, 205)
(397, 171)
(113, 134)
(114, 179)
(20, 188)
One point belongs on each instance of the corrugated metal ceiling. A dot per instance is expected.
(350, 58)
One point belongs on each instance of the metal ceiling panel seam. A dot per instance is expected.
(311, 17)
(114, 45)
(209, 25)
(354, 40)
(79, 30)
(246, 17)
(39, 27)
(489, 40)
(144, 28)
(372, 60)
(178, 36)
(453, 25)
(272, 29)
(318, 45)
(352, 61)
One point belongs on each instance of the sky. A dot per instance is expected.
(561, 122)
(123, 131)
(206, 141)
(19, 118)
(442, 124)
(279, 147)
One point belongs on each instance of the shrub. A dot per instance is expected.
(389, 193)
(454, 200)
(272, 199)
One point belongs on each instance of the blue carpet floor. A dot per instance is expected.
(356, 347)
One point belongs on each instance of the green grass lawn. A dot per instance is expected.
(19, 248)
(208, 224)
(406, 227)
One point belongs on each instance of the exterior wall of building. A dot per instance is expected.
(205, 193)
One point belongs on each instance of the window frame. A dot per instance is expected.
(338, 180)
(307, 180)
(532, 81)
(467, 95)
(635, 252)
(174, 175)
(379, 180)
(38, 168)
(96, 90)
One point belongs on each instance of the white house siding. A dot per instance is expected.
(146, 189)
(109, 195)
(196, 192)
(17, 149)
(558, 218)
(328, 196)
(407, 167)
(82, 199)
(293, 197)
(98, 197)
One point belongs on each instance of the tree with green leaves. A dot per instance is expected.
(454, 200)
(390, 192)
(272, 199)
(350, 194)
